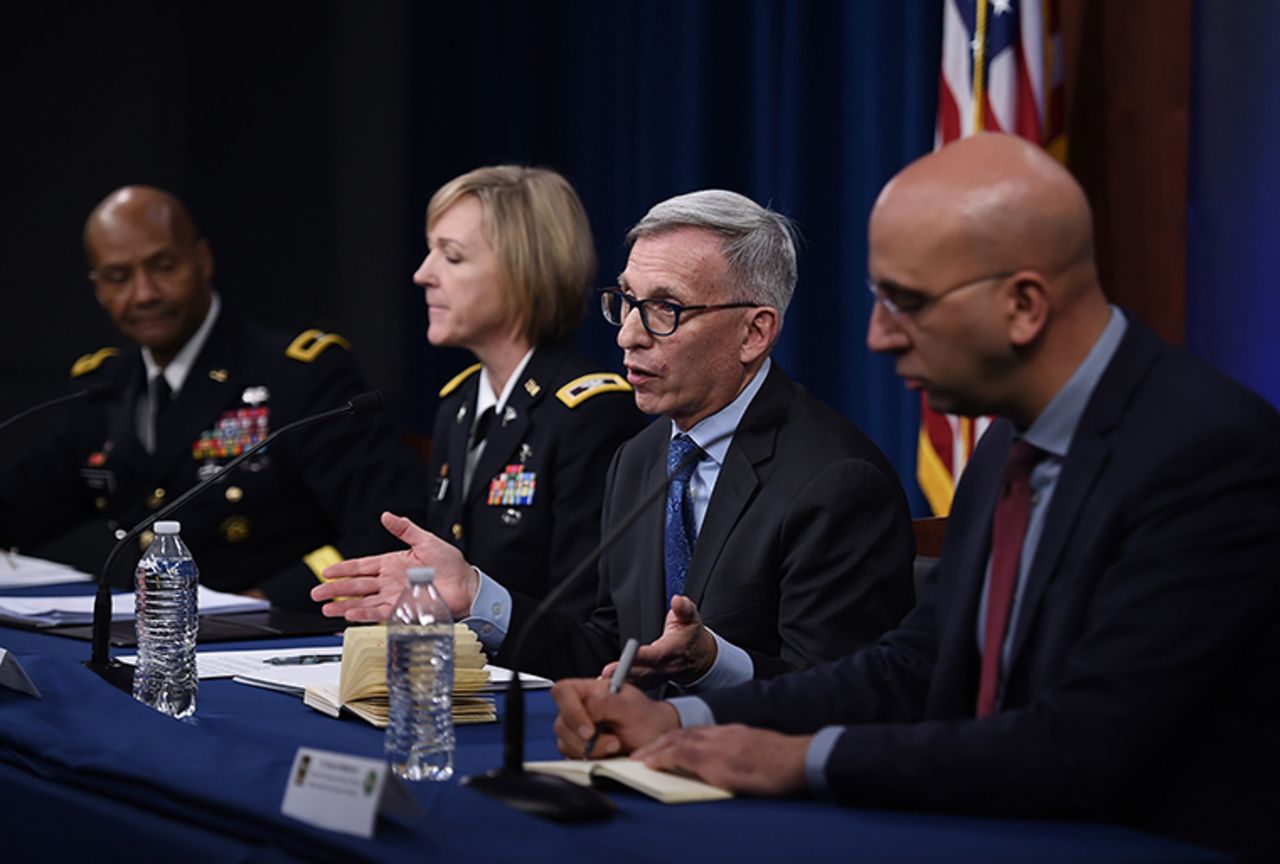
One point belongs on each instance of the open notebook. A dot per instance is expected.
(362, 679)
(667, 788)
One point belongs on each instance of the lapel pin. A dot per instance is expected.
(526, 452)
(461, 415)
(219, 375)
(532, 387)
(508, 414)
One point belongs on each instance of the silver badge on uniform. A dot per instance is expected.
(255, 395)
(511, 516)
(207, 470)
(508, 415)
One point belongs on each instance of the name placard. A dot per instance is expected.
(13, 676)
(345, 793)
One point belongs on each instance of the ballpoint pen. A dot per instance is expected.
(615, 684)
(304, 659)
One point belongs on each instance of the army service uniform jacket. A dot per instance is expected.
(532, 512)
(309, 500)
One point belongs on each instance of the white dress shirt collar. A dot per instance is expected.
(175, 374)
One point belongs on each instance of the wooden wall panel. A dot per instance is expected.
(1128, 121)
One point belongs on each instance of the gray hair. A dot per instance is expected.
(758, 244)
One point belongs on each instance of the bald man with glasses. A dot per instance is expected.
(784, 539)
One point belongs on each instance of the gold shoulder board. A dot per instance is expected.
(90, 362)
(456, 381)
(311, 343)
(581, 389)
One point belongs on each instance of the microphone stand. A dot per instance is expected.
(94, 393)
(119, 674)
(546, 795)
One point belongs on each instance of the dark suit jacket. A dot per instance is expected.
(323, 485)
(805, 553)
(1144, 684)
(530, 546)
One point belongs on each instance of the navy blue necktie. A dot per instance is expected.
(161, 396)
(679, 533)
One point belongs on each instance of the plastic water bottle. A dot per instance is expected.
(166, 622)
(419, 742)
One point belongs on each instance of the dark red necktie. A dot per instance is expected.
(1007, 533)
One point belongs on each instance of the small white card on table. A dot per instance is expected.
(13, 676)
(340, 792)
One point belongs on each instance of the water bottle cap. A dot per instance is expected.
(173, 527)
(421, 575)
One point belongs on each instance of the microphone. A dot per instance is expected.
(92, 393)
(100, 660)
(546, 795)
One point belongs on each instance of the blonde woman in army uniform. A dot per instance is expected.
(523, 438)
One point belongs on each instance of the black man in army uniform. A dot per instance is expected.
(199, 385)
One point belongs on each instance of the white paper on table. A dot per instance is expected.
(23, 571)
(499, 676)
(294, 679)
(252, 668)
(252, 664)
(53, 611)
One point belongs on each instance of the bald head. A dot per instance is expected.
(984, 252)
(993, 201)
(150, 268)
(131, 205)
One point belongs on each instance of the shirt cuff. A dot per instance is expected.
(490, 615)
(816, 758)
(693, 711)
(732, 666)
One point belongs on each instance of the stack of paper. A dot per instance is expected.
(55, 611)
(23, 571)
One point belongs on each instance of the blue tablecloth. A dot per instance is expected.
(86, 771)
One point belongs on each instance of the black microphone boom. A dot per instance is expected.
(543, 794)
(100, 660)
(93, 393)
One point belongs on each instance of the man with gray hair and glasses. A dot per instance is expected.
(785, 538)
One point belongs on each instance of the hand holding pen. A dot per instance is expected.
(615, 684)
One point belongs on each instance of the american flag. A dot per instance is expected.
(1001, 71)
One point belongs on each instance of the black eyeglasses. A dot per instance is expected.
(659, 317)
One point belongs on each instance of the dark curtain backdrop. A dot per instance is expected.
(1233, 307)
(807, 107)
(307, 137)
